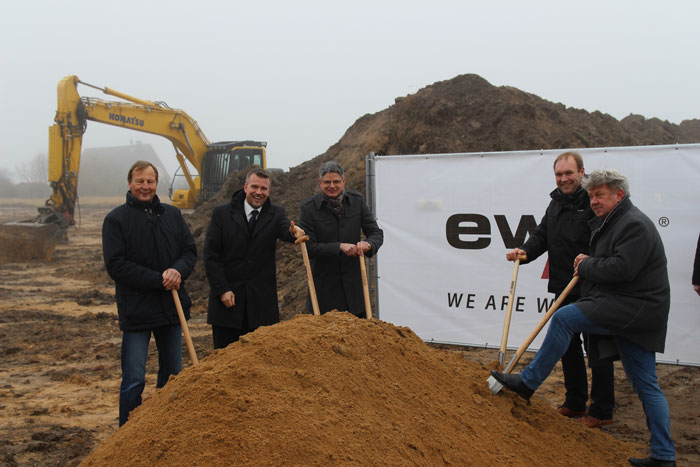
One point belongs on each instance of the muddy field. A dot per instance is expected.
(59, 345)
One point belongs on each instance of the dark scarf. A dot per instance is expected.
(337, 202)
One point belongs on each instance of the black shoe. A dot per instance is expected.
(651, 462)
(513, 383)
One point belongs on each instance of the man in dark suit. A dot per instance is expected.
(239, 260)
(334, 220)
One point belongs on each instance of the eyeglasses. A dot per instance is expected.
(331, 182)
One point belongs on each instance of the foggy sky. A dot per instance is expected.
(298, 74)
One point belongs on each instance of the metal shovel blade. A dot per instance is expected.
(494, 385)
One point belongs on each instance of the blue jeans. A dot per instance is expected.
(134, 355)
(639, 365)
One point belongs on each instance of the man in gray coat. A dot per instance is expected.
(334, 220)
(626, 295)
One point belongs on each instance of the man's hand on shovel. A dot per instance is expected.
(577, 261)
(516, 254)
(171, 279)
(297, 231)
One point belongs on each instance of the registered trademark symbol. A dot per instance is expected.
(664, 221)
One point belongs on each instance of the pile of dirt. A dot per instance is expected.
(339, 390)
(463, 114)
(28, 241)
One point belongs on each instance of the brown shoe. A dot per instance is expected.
(567, 412)
(592, 422)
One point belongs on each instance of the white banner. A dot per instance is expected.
(454, 288)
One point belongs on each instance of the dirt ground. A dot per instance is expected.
(59, 376)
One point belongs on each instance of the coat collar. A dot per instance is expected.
(574, 199)
(154, 205)
(597, 223)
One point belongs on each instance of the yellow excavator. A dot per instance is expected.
(37, 238)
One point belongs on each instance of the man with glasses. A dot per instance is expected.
(334, 220)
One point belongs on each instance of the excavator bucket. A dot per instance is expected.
(27, 241)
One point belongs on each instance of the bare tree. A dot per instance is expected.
(35, 170)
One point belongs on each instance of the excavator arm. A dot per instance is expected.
(65, 139)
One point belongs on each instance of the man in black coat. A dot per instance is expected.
(148, 251)
(334, 220)
(625, 295)
(239, 260)
(564, 233)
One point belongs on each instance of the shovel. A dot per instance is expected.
(494, 385)
(312, 289)
(185, 329)
(509, 311)
(365, 287)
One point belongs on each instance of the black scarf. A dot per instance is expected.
(337, 202)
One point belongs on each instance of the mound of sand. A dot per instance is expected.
(339, 390)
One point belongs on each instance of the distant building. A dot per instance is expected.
(103, 170)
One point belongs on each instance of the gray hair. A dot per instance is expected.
(610, 177)
(328, 167)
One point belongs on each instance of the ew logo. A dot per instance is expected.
(473, 231)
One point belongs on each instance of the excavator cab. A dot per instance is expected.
(223, 158)
(218, 162)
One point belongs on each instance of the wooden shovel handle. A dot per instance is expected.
(365, 287)
(185, 329)
(310, 277)
(509, 309)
